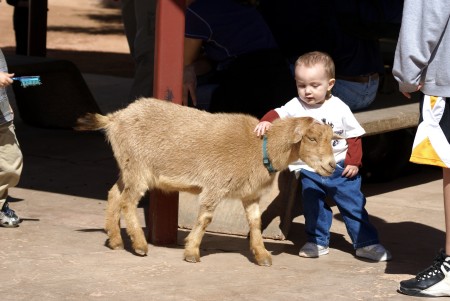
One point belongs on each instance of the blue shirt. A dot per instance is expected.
(228, 28)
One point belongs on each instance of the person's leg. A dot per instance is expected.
(434, 281)
(10, 169)
(351, 204)
(139, 22)
(20, 20)
(446, 186)
(317, 213)
(144, 49)
(129, 22)
(357, 96)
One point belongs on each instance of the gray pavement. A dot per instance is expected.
(59, 252)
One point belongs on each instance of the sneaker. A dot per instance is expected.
(8, 217)
(432, 282)
(310, 250)
(374, 252)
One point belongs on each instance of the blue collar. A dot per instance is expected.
(266, 160)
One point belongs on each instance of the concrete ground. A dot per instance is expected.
(59, 252)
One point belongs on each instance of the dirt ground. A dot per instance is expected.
(87, 32)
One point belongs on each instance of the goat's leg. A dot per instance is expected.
(262, 256)
(130, 200)
(112, 222)
(192, 247)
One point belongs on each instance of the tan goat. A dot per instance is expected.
(161, 145)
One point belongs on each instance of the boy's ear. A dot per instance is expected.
(331, 83)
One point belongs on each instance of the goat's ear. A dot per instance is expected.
(301, 127)
(298, 134)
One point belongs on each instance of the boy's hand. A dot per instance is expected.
(5, 79)
(262, 127)
(350, 171)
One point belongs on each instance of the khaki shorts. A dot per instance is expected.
(11, 160)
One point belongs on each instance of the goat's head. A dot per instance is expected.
(315, 147)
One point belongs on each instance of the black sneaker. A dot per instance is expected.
(432, 282)
(8, 217)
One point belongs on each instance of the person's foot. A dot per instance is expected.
(8, 217)
(374, 252)
(432, 282)
(311, 250)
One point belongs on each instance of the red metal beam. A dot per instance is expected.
(162, 218)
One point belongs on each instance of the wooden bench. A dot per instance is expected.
(389, 114)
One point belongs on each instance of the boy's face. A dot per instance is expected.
(313, 83)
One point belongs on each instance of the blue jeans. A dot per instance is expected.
(346, 193)
(357, 96)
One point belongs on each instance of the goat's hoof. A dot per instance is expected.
(140, 249)
(192, 258)
(265, 261)
(141, 252)
(115, 245)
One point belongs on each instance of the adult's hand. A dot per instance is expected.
(192, 48)
(189, 85)
(408, 95)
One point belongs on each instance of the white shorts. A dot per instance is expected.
(431, 144)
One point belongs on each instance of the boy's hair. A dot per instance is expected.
(316, 57)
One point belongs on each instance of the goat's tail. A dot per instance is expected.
(92, 122)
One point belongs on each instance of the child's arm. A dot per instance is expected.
(266, 122)
(5, 79)
(353, 159)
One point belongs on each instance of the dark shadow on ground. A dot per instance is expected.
(415, 175)
(105, 63)
(413, 245)
(66, 161)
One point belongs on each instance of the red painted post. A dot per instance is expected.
(162, 219)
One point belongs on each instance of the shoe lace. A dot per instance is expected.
(439, 263)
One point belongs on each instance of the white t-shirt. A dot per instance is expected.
(333, 112)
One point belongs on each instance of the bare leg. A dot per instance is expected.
(112, 223)
(446, 184)
(194, 239)
(262, 256)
